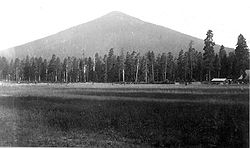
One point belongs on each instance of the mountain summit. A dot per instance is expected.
(113, 30)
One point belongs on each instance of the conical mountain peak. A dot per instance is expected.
(115, 30)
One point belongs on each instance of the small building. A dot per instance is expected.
(247, 75)
(244, 78)
(219, 81)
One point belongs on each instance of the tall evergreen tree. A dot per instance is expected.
(74, 74)
(105, 68)
(191, 59)
(163, 67)
(208, 55)
(33, 69)
(90, 64)
(137, 58)
(17, 69)
(122, 66)
(27, 69)
(180, 66)
(111, 65)
(217, 65)
(241, 56)
(151, 64)
(58, 69)
(99, 68)
(144, 69)
(52, 69)
(170, 66)
(44, 70)
(11, 71)
(2, 65)
(129, 67)
(199, 68)
(186, 66)
(231, 73)
(223, 61)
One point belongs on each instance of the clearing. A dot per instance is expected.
(131, 115)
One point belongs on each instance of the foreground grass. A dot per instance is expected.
(30, 120)
(72, 123)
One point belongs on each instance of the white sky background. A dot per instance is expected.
(22, 21)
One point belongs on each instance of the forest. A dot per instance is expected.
(190, 65)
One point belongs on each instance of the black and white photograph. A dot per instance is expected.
(124, 73)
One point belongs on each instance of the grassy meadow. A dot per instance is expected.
(114, 115)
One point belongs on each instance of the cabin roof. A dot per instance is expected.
(219, 79)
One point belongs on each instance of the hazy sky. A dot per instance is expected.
(23, 21)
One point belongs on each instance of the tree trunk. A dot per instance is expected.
(119, 75)
(137, 70)
(66, 76)
(46, 74)
(106, 72)
(185, 74)
(56, 77)
(146, 72)
(209, 75)
(191, 71)
(153, 76)
(123, 75)
(84, 75)
(165, 73)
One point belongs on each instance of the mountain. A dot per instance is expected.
(114, 30)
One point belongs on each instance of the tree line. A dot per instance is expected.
(190, 65)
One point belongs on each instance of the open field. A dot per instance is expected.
(114, 115)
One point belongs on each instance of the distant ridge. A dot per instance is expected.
(113, 30)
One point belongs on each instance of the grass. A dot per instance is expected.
(33, 119)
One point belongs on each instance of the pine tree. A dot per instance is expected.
(163, 67)
(128, 67)
(223, 61)
(170, 66)
(17, 69)
(191, 59)
(137, 66)
(151, 64)
(199, 68)
(33, 69)
(186, 66)
(52, 69)
(208, 55)
(39, 64)
(241, 56)
(111, 65)
(217, 65)
(90, 64)
(27, 69)
(44, 70)
(75, 71)
(105, 68)
(231, 73)
(144, 69)
(58, 69)
(121, 63)
(64, 69)
(180, 66)
(11, 71)
(99, 68)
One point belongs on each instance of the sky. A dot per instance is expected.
(22, 21)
